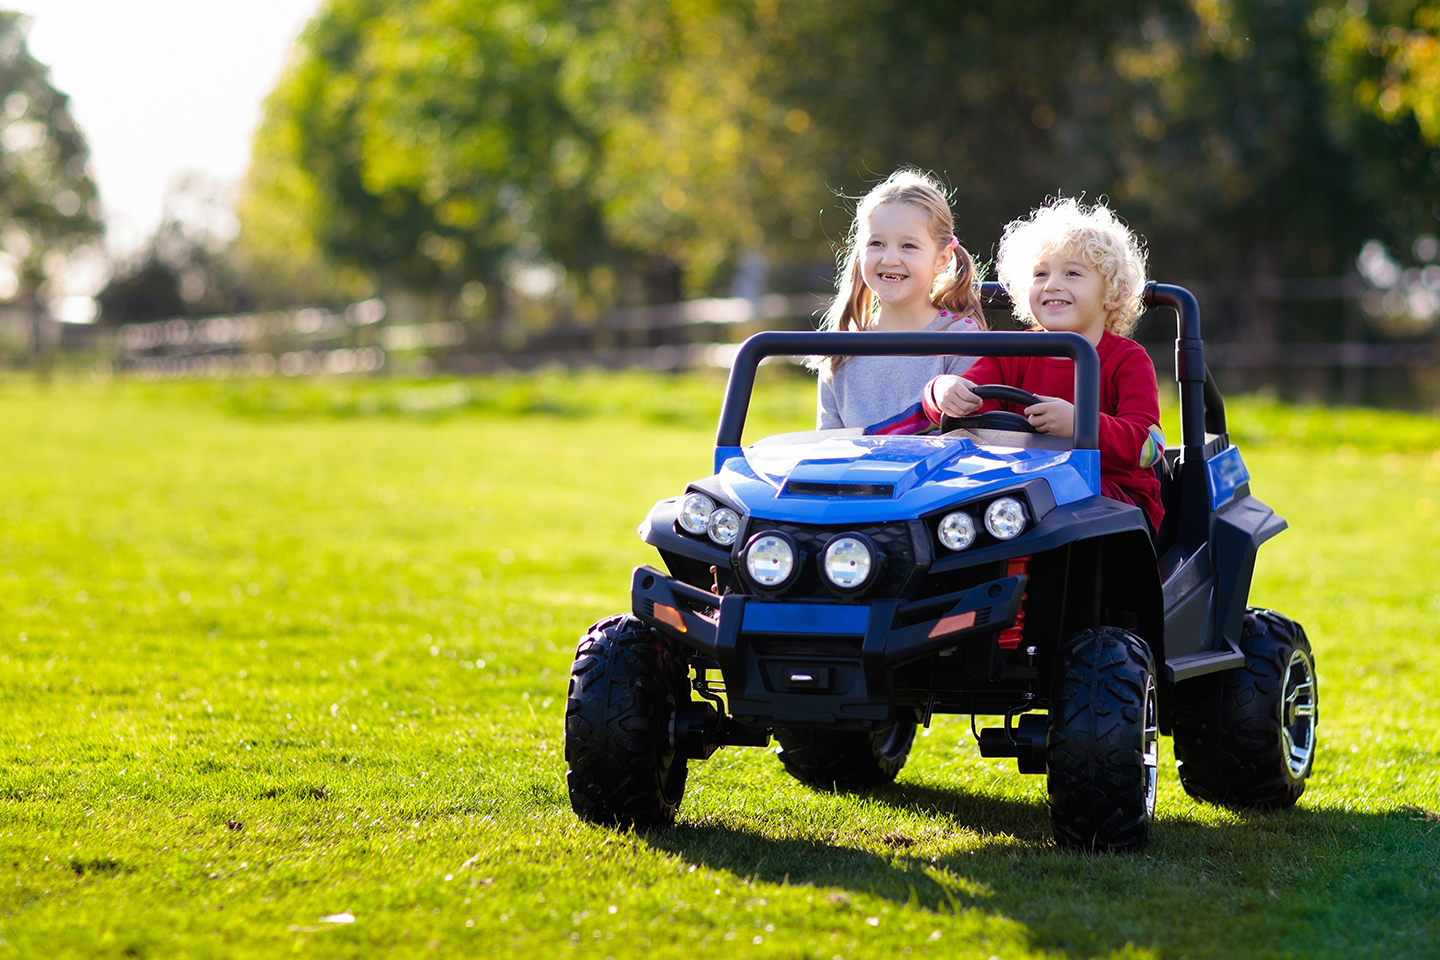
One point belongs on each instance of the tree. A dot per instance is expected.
(425, 143)
(433, 141)
(48, 203)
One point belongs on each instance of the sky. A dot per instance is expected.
(161, 88)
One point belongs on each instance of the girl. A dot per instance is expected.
(903, 270)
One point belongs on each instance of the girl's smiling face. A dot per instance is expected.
(1068, 295)
(900, 260)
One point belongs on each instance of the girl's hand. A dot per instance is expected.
(953, 396)
(1053, 416)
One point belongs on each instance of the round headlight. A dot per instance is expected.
(957, 530)
(695, 512)
(847, 562)
(770, 559)
(1005, 518)
(724, 526)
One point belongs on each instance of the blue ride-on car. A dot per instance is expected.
(833, 591)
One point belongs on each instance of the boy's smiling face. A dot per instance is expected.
(1068, 295)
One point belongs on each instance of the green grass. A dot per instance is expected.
(274, 651)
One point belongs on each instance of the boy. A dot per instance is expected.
(1074, 268)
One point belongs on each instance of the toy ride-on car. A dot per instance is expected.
(833, 590)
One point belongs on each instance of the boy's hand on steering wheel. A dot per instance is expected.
(1053, 416)
(953, 396)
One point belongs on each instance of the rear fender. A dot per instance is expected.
(1239, 529)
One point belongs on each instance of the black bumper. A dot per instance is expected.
(809, 661)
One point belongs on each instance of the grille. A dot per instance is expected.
(892, 540)
(809, 488)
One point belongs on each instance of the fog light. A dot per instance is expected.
(848, 561)
(770, 559)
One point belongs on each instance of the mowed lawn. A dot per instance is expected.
(278, 652)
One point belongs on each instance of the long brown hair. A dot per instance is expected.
(955, 290)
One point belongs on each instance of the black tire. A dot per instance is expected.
(621, 765)
(1246, 737)
(1103, 745)
(846, 760)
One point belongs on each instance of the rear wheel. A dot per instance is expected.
(1103, 745)
(846, 760)
(1246, 737)
(625, 687)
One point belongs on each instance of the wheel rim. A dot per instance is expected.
(897, 740)
(1297, 726)
(1150, 746)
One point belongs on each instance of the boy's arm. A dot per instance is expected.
(983, 370)
(1126, 440)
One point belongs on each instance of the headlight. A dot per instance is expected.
(770, 559)
(724, 526)
(848, 561)
(1005, 518)
(695, 512)
(957, 530)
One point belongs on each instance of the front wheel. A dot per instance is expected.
(1102, 750)
(1246, 737)
(846, 760)
(625, 687)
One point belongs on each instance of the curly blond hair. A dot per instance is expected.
(1096, 236)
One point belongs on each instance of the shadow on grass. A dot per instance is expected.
(1312, 883)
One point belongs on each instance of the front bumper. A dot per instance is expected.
(812, 661)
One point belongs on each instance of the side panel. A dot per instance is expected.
(1238, 531)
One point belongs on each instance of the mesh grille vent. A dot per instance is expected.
(809, 488)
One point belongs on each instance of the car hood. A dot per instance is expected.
(851, 479)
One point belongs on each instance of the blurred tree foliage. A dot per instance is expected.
(48, 203)
(1382, 63)
(433, 142)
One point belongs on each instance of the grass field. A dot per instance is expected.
(277, 652)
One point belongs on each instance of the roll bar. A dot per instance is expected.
(775, 343)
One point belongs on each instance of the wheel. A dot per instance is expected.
(1102, 750)
(1246, 737)
(846, 760)
(625, 687)
(995, 419)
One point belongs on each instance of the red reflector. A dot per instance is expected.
(953, 624)
(669, 616)
(1010, 636)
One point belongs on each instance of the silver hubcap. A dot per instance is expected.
(1300, 711)
(1150, 746)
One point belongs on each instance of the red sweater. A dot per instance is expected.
(1130, 436)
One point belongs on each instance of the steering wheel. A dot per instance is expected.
(995, 419)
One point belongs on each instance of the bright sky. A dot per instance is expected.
(162, 87)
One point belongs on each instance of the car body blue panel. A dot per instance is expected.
(927, 474)
(826, 618)
(1227, 473)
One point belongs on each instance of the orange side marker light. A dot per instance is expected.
(670, 616)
